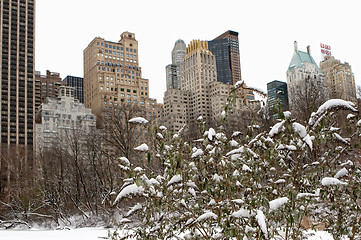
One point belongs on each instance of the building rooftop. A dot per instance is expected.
(300, 57)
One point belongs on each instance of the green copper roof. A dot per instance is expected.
(299, 58)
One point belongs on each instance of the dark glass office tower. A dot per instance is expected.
(277, 96)
(17, 72)
(226, 49)
(77, 84)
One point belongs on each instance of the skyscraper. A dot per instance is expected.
(77, 84)
(114, 87)
(277, 96)
(226, 50)
(339, 78)
(17, 93)
(172, 70)
(17, 71)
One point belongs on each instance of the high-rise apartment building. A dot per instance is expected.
(17, 72)
(46, 86)
(172, 70)
(338, 78)
(226, 50)
(114, 88)
(77, 84)
(113, 78)
(277, 96)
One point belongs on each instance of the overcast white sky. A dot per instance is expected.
(267, 30)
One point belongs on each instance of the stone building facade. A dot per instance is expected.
(339, 79)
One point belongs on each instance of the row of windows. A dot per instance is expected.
(116, 47)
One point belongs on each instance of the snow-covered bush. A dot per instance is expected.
(261, 186)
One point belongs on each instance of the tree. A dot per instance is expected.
(306, 96)
(260, 187)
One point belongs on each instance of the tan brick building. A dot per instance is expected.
(338, 78)
(113, 81)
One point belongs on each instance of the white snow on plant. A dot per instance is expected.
(277, 203)
(308, 141)
(142, 148)
(200, 118)
(350, 115)
(197, 153)
(206, 216)
(329, 106)
(341, 138)
(212, 202)
(175, 179)
(124, 161)
(217, 178)
(277, 128)
(316, 194)
(343, 172)
(138, 120)
(138, 169)
(162, 128)
(300, 129)
(358, 123)
(239, 84)
(246, 168)
(333, 129)
(349, 162)
(236, 151)
(192, 192)
(236, 134)
(137, 207)
(235, 173)
(261, 220)
(280, 181)
(160, 136)
(233, 143)
(211, 134)
(129, 190)
(242, 213)
(286, 147)
(287, 114)
(238, 201)
(327, 181)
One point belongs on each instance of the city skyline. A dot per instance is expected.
(266, 30)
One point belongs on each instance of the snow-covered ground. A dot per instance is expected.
(88, 234)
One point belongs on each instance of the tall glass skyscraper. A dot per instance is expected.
(226, 49)
(172, 70)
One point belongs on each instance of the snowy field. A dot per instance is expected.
(86, 233)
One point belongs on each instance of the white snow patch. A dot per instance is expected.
(142, 148)
(242, 213)
(300, 129)
(138, 120)
(327, 181)
(246, 168)
(343, 172)
(129, 190)
(211, 134)
(277, 128)
(205, 216)
(261, 220)
(124, 161)
(197, 153)
(277, 203)
(175, 179)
